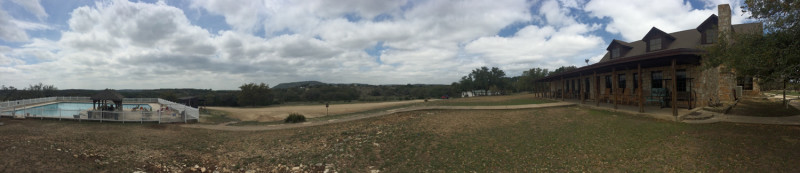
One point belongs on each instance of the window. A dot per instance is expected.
(615, 52)
(745, 82)
(635, 80)
(655, 79)
(711, 35)
(587, 84)
(681, 75)
(608, 81)
(655, 44)
(621, 79)
(573, 85)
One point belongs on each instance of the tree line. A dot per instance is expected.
(252, 94)
(495, 80)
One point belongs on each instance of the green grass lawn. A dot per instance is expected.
(565, 139)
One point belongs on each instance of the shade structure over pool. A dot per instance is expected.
(107, 95)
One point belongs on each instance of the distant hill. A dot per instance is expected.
(297, 84)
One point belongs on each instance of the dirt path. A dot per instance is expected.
(225, 126)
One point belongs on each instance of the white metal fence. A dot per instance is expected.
(140, 100)
(31, 108)
(189, 112)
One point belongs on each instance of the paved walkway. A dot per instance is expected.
(226, 127)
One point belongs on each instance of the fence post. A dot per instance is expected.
(159, 117)
(123, 117)
(59, 115)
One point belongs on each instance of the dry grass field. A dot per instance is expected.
(278, 113)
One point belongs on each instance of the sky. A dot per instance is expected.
(222, 44)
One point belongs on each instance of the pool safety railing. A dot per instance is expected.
(170, 112)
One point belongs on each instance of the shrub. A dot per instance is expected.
(295, 118)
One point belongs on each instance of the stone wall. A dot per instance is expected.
(708, 83)
(727, 82)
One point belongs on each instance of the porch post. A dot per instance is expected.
(641, 95)
(563, 88)
(614, 85)
(675, 91)
(596, 89)
(580, 89)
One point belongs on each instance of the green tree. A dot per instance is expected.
(168, 95)
(483, 79)
(771, 56)
(527, 81)
(563, 69)
(252, 94)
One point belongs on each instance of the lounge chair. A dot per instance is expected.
(658, 95)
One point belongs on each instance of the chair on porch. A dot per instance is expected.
(568, 94)
(633, 98)
(657, 95)
(685, 99)
(576, 94)
(606, 95)
(558, 93)
(616, 96)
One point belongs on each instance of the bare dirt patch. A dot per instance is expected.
(763, 108)
(277, 113)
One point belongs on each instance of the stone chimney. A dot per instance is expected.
(724, 24)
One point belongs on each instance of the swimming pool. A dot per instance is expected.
(66, 109)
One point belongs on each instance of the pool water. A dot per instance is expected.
(66, 109)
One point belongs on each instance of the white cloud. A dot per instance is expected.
(9, 30)
(561, 41)
(632, 19)
(14, 30)
(32, 6)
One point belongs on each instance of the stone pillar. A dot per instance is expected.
(674, 91)
(724, 22)
(614, 86)
(726, 84)
(639, 90)
(563, 89)
(727, 79)
(596, 89)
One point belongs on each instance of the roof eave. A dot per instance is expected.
(643, 57)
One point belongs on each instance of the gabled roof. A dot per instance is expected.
(683, 39)
(618, 42)
(655, 31)
(710, 21)
(685, 43)
(108, 95)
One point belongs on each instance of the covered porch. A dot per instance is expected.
(642, 84)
